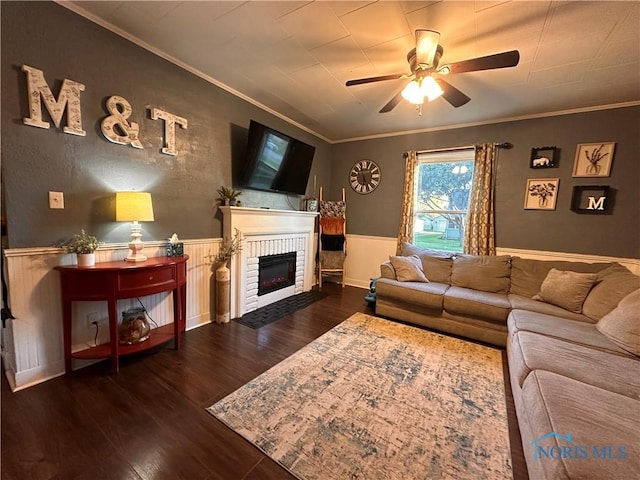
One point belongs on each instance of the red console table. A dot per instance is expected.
(111, 281)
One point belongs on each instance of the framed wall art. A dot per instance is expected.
(593, 159)
(541, 194)
(543, 157)
(591, 199)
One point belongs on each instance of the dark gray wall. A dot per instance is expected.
(561, 230)
(90, 169)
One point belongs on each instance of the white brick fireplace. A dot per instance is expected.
(268, 232)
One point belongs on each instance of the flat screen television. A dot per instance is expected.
(275, 162)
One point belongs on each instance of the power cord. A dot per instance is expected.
(146, 313)
(95, 338)
(97, 325)
(290, 204)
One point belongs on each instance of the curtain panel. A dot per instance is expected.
(479, 237)
(408, 201)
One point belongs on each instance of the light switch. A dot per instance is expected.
(56, 200)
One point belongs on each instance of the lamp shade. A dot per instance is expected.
(413, 93)
(430, 88)
(134, 206)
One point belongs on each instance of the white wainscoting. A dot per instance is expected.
(364, 256)
(32, 343)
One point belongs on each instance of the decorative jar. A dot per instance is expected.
(134, 327)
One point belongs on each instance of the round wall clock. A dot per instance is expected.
(364, 176)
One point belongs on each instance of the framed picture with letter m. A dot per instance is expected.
(591, 199)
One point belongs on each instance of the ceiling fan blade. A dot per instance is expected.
(498, 60)
(381, 78)
(451, 94)
(392, 103)
(426, 46)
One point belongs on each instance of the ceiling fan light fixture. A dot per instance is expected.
(446, 70)
(430, 88)
(426, 47)
(413, 93)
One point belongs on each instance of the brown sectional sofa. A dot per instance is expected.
(576, 389)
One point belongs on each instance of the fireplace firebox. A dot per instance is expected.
(276, 272)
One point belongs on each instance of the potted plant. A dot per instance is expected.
(84, 246)
(228, 248)
(228, 195)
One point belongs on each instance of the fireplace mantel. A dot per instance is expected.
(266, 232)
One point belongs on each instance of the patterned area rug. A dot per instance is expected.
(275, 311)
(373, 399)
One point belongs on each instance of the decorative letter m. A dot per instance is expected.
(596, 204)
(68, 99)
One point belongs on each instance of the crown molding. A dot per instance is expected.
(497, 120)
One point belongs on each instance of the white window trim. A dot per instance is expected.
(461, 155)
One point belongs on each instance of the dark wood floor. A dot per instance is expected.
(149, 421)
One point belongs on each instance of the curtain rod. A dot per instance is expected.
(439, 150)
(505, 145)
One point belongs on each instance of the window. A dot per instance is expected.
(442, 188)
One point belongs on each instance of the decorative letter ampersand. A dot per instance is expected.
(116, 128)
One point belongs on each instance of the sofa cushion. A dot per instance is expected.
(566, 289)
(526, 303)
(408, 269)
(558, 407)
(531, 351)
(477, 304)
(428, 295)
(612, 285)
(569, 330)
(487, 273)
(436, 265)
(622, 324)
(527, 275)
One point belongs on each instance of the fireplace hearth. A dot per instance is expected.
(276, 272)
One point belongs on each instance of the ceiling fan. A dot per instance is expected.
(425, 75)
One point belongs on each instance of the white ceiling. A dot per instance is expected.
(293, 57)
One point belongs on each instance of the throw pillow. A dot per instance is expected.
(408, 269)
(566, 289)
(613, 284)
(527, 275)
(435, 264)
(622, 325)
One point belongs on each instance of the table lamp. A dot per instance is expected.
(134, 207)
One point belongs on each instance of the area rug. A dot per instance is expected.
(374, 399)
(275, 311)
